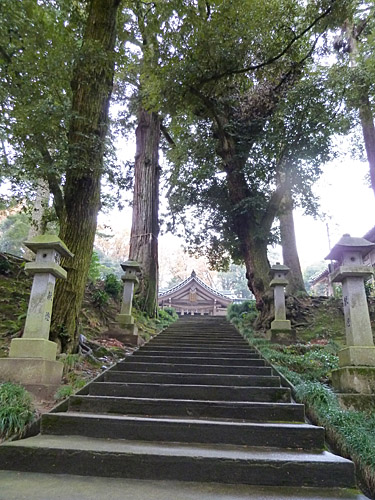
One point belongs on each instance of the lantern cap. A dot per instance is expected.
(131, 265)
(47, 241)
(347, 243)
(279, 267)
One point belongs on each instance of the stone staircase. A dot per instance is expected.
(196, 404)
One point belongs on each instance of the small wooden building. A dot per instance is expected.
(193, 296)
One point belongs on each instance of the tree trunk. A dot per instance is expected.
(289, 246)
(368, 129)
(92, 87)
(145, 221)
(252, 246)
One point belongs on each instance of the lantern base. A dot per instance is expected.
(356, 379)
(33, 348)
(41, 377)
(127, 334)
(125, 319)
(357, 356)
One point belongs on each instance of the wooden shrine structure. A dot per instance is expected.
(193, 296)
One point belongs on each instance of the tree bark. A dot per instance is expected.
(253, 245)
(145, 220)
(92, 87)
(289, 246)
(368, 130)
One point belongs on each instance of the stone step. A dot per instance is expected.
(192, 343)
(133, 364)
(190, 348)
(175, 461)
(296, 436)
(199, 345)
(191, 354)
(200, 334)
(36, 486)
(233, 410)
(200, 338)
(204, 360)
(202, 392)
(191, 379)
(191, 335)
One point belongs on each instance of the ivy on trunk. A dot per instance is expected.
(78, 205)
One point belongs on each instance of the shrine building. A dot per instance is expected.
(192, 296)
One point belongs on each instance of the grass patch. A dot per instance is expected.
(16, 410)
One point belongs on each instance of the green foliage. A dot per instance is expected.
(94, 270)
(245, 313)
(234, 279)
(171, 311)
(13, 231)
(100, 298)
(352, 431)
(112, 285)
(65, 391)
(5, 266)
(166, 316)
(70, 361)
(16, 409)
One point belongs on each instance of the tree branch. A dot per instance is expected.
(273, 59)
(167, 135)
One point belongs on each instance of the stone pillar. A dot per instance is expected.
(32, 358)
(125, 330)
(357, 359)
(281, 329)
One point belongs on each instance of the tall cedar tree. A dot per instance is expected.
(289, 246)
(77, 207)
(145, 219)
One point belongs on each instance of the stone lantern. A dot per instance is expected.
(281, 329)
(32, 358)
(357, 359)
(125, 330)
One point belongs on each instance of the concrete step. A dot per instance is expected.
(194, 343)
(202, 392)
(133, 364)
(203, 360)
(175, 461)
(191, 379)
(197, 345)
(190, 348)
(191, 354)
(233, 410)
(36, 486)
(197, 336)
(297, 436)
(200, 333)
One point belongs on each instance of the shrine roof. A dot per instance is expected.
(193, 279)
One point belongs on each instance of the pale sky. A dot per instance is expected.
(349, 204)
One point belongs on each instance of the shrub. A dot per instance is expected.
(64, 392)
(167, 316)
(16, 409)
(112, 285)
(100, 298)
(244, 312)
